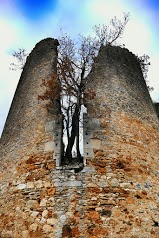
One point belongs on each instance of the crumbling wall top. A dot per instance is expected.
(118, 84)
(25, 125)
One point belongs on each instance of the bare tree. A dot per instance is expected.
(109, 34)
(74, 63)
(20, 56)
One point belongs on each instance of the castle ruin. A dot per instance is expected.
(116, 193)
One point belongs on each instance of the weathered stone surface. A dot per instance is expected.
(116, 194)
(21, 186)
(30, 185)
(32, 204)
(47, 228)
(25, 234)
(51, 221)
(114, 182)
(45, 213)
(34, 214)
(47, 184)
(43, 202)
(49, 146)
(33, 227)
(38, 184)
(63, 219)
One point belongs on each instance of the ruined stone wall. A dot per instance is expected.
(30, 141)
(116, 194)
(118, 82)
(27, 122)
(122, 146)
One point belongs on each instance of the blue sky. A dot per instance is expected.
(34, 10)
(25, 22)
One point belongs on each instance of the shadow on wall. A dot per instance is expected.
(156, 104)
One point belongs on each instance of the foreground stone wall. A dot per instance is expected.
(30, 142)
(116, 194)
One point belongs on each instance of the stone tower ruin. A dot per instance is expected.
(116, 194)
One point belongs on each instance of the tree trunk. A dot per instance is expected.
(71, 139)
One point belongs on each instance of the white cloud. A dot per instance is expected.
(8, 35)
(136, 37)
(8, 83)
(102, 10)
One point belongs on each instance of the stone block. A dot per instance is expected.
(74, 183)
(32, 204)
(45, 213)
(38, 184)
(51, 191)
(125, 185)
(34, 214)
(43, 202)
(51, 221)
(47, 184)
(114, 182)
(47, 228)
(50, 126)
(25, 234)
(33, 227)
(30, 185)
(43, 220)
(87, 169)
(21, 186)
(63, 219)
(88, 152)
(94, 144)
(49, 146)
(103, 184)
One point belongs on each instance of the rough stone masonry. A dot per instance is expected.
(116, 194)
